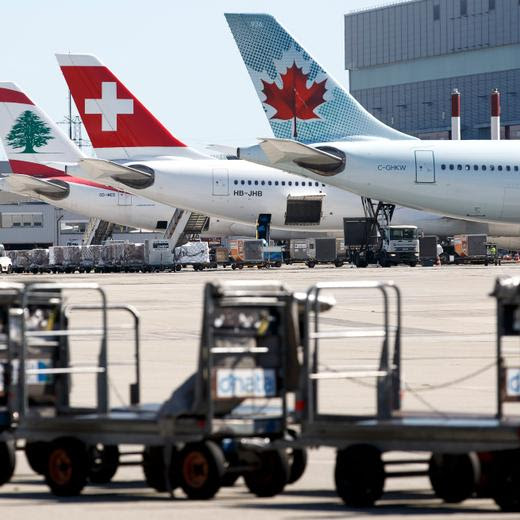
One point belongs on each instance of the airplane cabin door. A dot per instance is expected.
(124, 199)
(220, 181)
(424, 167)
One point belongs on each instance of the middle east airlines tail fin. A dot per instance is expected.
(118, 124)
(33, 143)
(301, 101)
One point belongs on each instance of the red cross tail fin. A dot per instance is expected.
(118, 124)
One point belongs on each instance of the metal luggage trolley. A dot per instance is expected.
(67, 444)
(471, 454)
(229, 412)
(216, 426)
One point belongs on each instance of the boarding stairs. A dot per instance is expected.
(97, 232)
(185, 226)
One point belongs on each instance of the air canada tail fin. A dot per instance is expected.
(32, 141)
(118, 124)
(300, 99)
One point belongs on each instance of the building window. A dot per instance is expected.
(437, 12)
(464, 7)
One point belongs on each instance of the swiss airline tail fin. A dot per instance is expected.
(118, 124)
(32, 141)
(300, 99)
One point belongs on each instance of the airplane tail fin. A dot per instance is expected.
(300, 99)
(32, 141)
(118, 124)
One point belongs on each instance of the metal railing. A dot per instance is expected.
(388, 373)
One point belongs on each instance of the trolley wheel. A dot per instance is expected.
(67, 467)
(7, 461)
(338, 263)
(297, 464)
(271, 476)
(104, 461)
(413, 264)
(506, 480)
(297, 459)
(359, 475)
(453, 476)
(155, 471)
(37, 455)
(241, 266)
(229, 479)
(200, 467)
(311, 265)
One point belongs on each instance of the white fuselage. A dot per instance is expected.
(214, 188)
(472, 180)
(239, 191)
(135, 211)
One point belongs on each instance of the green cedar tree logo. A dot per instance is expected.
(29, 132)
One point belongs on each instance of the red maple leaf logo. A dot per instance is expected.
(294, 99)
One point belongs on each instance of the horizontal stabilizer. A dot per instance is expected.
(281, 152)
(31, 186)
(132, 177)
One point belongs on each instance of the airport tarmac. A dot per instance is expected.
(449, 333)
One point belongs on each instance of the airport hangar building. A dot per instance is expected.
(405, 59)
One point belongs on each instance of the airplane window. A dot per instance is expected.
(492, 167)
(443, 166)
(235, 183)
(269, 182)
(516, 168)
(484, 168)
(475, 167)
(256, 183)
(290, 183)
(296, 183)
(283, 183)
(263, 183)
(276, 183)
(316, 183)
(508, 168)
(459, 167)
(249, 182)
(452, 167)
(242, 182)
(499, 168)
(467, 167)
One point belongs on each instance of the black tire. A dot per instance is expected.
(311, 265)
(413, 264)
(359, 475)
(229, 479)
(7, 461)
(37, 455)
(297, 464)
(271, 476)
(506, 480)
(200, 467)
(104, 461)
(154, 470)
(338, 263)
(67, 467)
(453, 476)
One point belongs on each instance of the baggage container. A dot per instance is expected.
(299, 250)
(325, 249)
(254, 250)
(158, 253)
(470, 245)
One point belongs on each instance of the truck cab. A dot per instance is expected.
(6, 264)
(399, 245)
